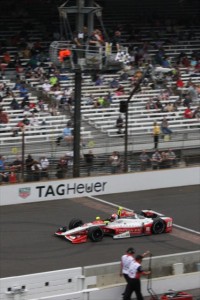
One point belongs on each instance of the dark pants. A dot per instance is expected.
(133, 285)
(156, 140)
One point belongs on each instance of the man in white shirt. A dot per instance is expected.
(134, 284)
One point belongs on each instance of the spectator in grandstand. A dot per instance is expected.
(25, 102)
(12, 177)
(95, 40)
(4, 119)
(14, 104)
(28, 163)
(196, 113)
(44, 162)
(67, 133)
(99, 80)
(34, 121)
(156, 159)
(192, 92)
(116, 41)
(89, 160)
(16, 166)
(36, 170)
(158, 104)
(169, 107)
(144, 160)
(2, 168)
(164, 161)
(187, 100)
(90, 100)
(156, 134)
(99, 103)
(115, 162)
(109, 97)
(150, 105)
(23, 91)
(119, 124)
(119, 91)
(114, 84)
(46, 86)
(172, 160)
(188, 113)
(165, 126)
(62, 167)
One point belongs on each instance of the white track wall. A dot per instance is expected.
(91, 186)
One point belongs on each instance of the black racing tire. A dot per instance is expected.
(158, 226)
(75, 223)
(95, 234)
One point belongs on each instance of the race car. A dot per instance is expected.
(124, 224)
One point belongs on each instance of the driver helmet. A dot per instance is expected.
(113, 217)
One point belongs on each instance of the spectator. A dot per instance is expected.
(62, 167)
(23, 90)
(4, 119)
(36, 170)
(29, 172)
(196, 113)
(89, 159)
(90, 100)
(119, 124)
(151, 105)
(116, 41)
(33, 122)
(187, 101)
(114, 84)
(156, 134)
(171, 158)
(115, 162)
(12, 177)
(119, 91)
(14, 104)
(188, 113)
(134, 284)
(165, 127)
(144, 159)
(2, 168)
(25, 102)
(164, 161)
(44, 162)
(156, 160)
(67, 134)
(16, 166)
(95, 40)
(169, 107)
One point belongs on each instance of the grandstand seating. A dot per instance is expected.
(100, 122)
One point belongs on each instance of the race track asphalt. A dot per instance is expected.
(28, 244)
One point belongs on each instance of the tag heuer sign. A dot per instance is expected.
(24, 192)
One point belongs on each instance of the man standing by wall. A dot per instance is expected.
(134, 284)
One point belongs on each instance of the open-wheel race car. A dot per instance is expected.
(124, 224)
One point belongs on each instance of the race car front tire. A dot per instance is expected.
(95, 234)
(158, 226)
(75, 223)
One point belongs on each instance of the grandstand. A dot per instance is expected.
(146, 28)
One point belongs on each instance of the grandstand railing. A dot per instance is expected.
(185, 144)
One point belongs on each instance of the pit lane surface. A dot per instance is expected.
(27, 244)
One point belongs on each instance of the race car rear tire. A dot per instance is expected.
(95, 234)
(158, 226)
(75, 223)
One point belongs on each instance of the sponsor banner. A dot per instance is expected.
(93, 186)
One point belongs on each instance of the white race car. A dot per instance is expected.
(125, 224)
